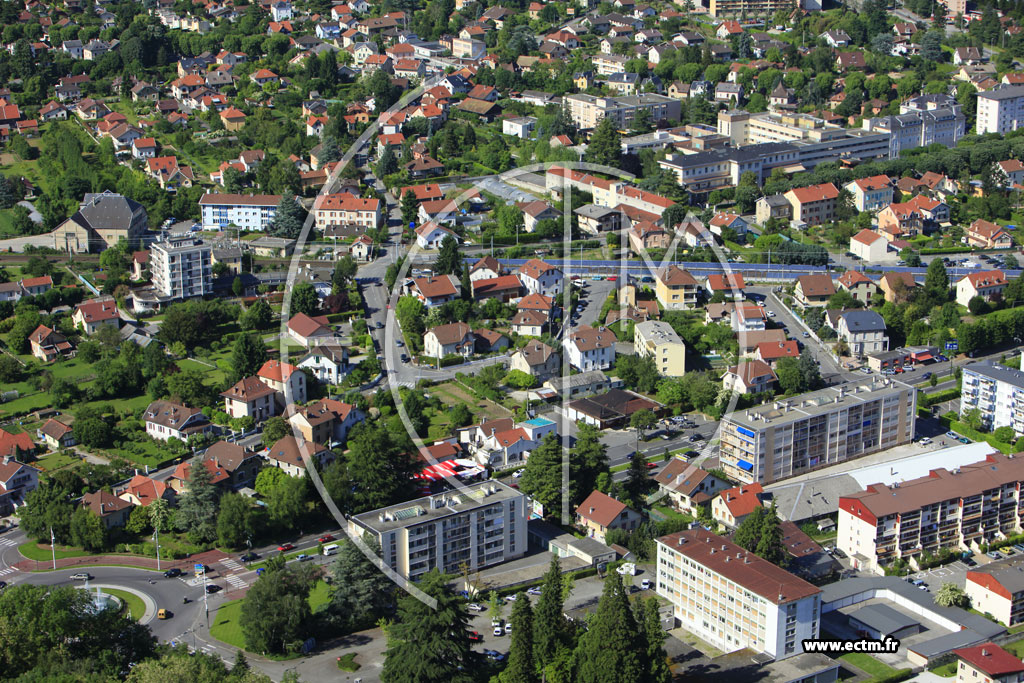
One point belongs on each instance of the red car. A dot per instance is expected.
(651, 465)
(325, 538)
(475, 637)
(286, 546)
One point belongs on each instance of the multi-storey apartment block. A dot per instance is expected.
(657, 340)
(787, 438)
(181, 268)
(1001, 109)
(970, 504)
(587, 110)
(483, 525)
(734, 599)
(997, 392)
(247, 212)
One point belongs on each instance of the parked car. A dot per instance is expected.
(511, 598)
(925, 441)
(518, 473)
(475, 637)
(969, 561)
(964, 439)
(952, 435)
(475, 607)
(994, 554)
(533, 591)
(508, 628)
(645, 584)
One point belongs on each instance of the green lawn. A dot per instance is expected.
(671, 513)
(217, 375)
(227, 626)
(867, 664)
(348, 662)
(947, 670)
(1015, 648)
(136, 608)
(54, 461)
(34, 551)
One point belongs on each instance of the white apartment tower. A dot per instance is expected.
(997, 392)
(478, 527)
(181, 268)
(1001, 109)
(733, 598)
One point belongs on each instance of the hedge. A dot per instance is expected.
(946, 250)
(894, 677)
(928, 400)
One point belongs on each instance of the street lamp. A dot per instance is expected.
(156, 538)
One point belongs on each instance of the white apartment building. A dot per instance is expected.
(657, 340)
(587, 110)
(734, 599)
(478, 527)
(997, 392)
(181, 268)
(789, 437)
(971, 504)
(539, 277)
(1001, 109)
(247, 212)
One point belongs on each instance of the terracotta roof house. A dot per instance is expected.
(751, 377)
(142, 490)
(16, 445)
(688, 486)
(772, 352)
(57, 435)
(166, 419)
(241, 465)
(91, 315)
(111, 510)
(599, 513)
(308, 330)
(48, 345)
(182, 475)
(988, 284)
(733, 505)
(895, 286)
(288, 452)
(326, 421)
(250, 397)
(814, 290)
(988, 662)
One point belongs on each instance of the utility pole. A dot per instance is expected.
(53, 548)
(156, 537)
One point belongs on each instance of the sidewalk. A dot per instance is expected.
(208, 558)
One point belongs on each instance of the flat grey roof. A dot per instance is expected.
(883, 619)
(998, 372)
(431, 508)
(864, 586)
(799, 667)
(817, 403)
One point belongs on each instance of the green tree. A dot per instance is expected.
(542, 476)
(276, 617)
(649, 620)
(259, 316)
(275, 429)
(461, 415)
(268, 479)
(379, 467)
(637, 484)
(50, 632)
(448, 261)
(521, 666)
(180, 666)
(749, 531)
(550, 629)
(233, 521)
(642, 420)
(428, 645)
(952, 595)
(197, 507)
(286, 503)
(88, 530)
(47, 507)
(410, 208)
(237, 288)
(247, 356)
(344, 270)
(769, 543)
(520, 380)
(588, 460)
(362, 593)
(936, 282)
(1004, 434)
(613, 648)
(304, 299)
(387, 164)
(605, 146)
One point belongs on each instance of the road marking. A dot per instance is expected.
(7, 542)
(8, 570)
(231, 564)
(236, 581)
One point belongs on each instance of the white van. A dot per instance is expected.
(331, 549)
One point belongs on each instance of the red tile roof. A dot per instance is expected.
(600, 509)
(276, 371)
(815, 193)
(742, 500)
(990, 659)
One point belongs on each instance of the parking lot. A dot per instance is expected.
(955, 572)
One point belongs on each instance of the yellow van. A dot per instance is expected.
(164, 614)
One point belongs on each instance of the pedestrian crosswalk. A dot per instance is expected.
(236, 581)
(7, 542)
(231, 564)
(7, 570)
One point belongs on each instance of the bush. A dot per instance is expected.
(928, 400)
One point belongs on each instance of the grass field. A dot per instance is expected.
(54, 461)
(348, 662)
(227, 626)
(1015, 648)
(947, 670)
(451, 393)
(867, 664)
(41, 553)
(136, 608)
